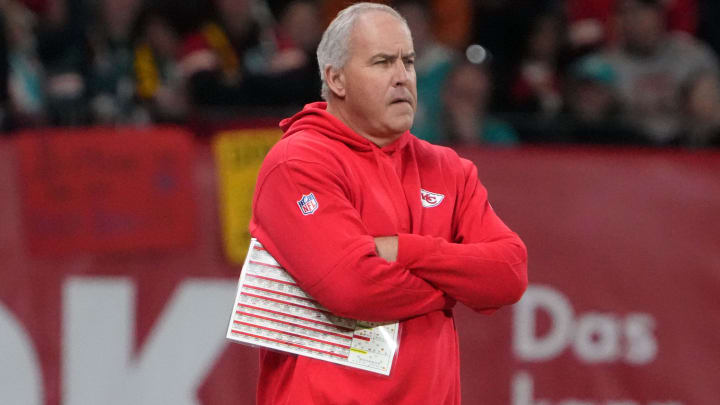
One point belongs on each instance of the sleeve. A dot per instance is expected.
(485, 267)
(329, 252)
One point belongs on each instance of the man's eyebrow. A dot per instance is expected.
(388, 56)
(382, 55)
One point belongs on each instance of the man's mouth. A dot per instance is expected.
(401, 100)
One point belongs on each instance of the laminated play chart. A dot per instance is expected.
(273, 312)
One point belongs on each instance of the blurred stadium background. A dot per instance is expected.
(131, 132)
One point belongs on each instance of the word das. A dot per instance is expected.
(594, 337)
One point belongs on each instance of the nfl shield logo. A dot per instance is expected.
(308, 204)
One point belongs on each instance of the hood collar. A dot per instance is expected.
(314, 116)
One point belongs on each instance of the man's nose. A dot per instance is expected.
(400, 72)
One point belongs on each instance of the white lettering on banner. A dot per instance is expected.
(99, 323)
(594, 337)
(525, 344)
(20, 377)
(523, 393)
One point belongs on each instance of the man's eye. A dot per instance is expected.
(409, 61)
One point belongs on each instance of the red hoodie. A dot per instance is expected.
(451, 246)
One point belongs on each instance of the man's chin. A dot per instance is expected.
(402, 120)
(400, 126)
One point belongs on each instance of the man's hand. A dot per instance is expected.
(387, 247)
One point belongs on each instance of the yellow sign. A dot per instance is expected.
(238, 155)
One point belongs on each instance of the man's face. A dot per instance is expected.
(641, 25)
(379, 77)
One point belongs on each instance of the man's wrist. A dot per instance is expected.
(412, 248)
(387, 247)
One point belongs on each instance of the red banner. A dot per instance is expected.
(622, 308)
(105, 190)
(624, 255)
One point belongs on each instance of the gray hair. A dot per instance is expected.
(334, 47)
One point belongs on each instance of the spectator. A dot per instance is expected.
(292, 63)
(591, 22)
(592, 111)
(209, 64)
(223, 69)
(245, 31)
(64, 52)
(294, 37)
(466, 120)
(433, 63)
(536, 86)
(159, 86)
(700, 99)
(26, 77)
(283, 71)
(651, 64)
(111, 77)
(502, 27)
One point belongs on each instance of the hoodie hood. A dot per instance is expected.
(315, 117)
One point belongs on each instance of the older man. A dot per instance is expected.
(378, 225)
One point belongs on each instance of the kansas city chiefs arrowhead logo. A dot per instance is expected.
(430, 199)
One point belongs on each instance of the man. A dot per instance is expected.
(398, 230)
(651, 65)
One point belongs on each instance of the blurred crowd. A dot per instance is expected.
(500, 72)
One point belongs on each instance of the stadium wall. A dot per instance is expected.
(119, 252)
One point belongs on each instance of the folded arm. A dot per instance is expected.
(329, 252)
(484, 267)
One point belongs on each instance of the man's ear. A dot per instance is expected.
(335, 81)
